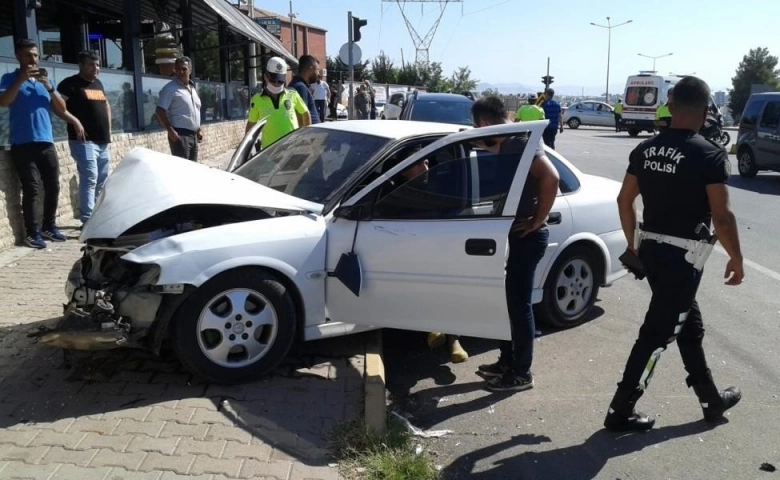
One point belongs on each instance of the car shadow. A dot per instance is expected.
(765, 184)
(292, 410)
(585, 460)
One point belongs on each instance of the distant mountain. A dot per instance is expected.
(515, 88)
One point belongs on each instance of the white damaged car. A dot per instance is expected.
(325, 233)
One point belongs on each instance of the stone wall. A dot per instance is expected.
(219, 138)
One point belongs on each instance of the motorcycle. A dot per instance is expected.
(713, 129)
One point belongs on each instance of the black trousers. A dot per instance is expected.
(321, 109)
(548, 136)
(618, 117)
(36, 164)
(186, 146)
(673, 315)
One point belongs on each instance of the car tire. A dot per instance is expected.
(217, 339)
(571, 288)
(574, 123)
(746, 163)
(633, 132)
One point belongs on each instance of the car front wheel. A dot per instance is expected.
(237, 327)
(571, 288)
(574, 123)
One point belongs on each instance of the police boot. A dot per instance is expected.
(714, 403)
(622, 417)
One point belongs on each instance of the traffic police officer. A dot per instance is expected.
(529, 112)
(681, 177)
(618, 111)
(663, 116)
(283, 107)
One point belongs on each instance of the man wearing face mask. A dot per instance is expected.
(283, 108)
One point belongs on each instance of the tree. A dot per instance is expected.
(757, 67)
(206, 56)
(339, 70)
(433, 78)
(410, 74)
(461, 80)
(383, 69)
(490, 93)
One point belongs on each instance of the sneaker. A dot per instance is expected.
(509, 382)
(35, 241)
(53, 233)
(457, 353)
(435, 340)
(492, 370)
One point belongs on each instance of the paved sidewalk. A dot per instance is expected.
(127, 415)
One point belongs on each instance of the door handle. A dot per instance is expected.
(554, 218)
(484, 247)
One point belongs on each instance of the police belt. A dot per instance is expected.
(697, 251)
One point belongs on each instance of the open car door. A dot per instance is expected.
(246, 148)
(426, 250)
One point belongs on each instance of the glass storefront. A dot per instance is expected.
(118, 86)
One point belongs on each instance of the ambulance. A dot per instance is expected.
(643, 95)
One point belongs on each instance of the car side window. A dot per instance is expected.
(771, 117)
(462, 187)
(396, 98)
(568, 182)
(586, 106)
(750, 117)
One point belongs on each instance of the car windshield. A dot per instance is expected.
(312, 163)
(458, 113)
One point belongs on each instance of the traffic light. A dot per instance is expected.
(547, 80)
(356, 24)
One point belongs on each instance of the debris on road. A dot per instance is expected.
(417, 432)
(767, 467)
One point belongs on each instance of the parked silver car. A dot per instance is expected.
(589, 112)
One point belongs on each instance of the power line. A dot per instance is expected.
(487, 8)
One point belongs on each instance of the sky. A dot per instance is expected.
(508, 41)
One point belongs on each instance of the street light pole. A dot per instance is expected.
(609, 28)
(654, 58)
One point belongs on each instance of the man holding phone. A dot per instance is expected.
(30, 97)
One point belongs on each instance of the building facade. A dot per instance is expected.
(137, 41)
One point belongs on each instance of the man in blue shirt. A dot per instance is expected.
(30, 97)
(308, 69)
(553, 113)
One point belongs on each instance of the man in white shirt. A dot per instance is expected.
(321, 92)
(178, 111)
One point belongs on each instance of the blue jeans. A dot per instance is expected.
(524, 255)
(93, 162)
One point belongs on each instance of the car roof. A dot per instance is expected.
(765, 94)
(444, 97)
(395, 129)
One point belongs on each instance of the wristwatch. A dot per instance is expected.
(50, 90)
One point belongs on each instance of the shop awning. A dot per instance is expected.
(246, 26)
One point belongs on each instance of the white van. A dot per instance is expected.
(643, 95)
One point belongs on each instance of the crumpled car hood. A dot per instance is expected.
(146, 183)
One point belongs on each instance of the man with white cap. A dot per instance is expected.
(284, 109)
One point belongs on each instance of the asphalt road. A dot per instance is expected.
(555, 430)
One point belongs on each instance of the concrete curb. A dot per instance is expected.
(375, 412)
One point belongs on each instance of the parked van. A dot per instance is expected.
(758, 140)
(643, 95)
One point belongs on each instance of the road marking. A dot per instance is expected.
(750, 263)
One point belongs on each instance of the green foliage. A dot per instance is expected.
(757, 67)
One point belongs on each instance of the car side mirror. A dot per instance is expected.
(351, 212)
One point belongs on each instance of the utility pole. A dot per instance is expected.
(609, 28)
(350, 40)
(293, 34)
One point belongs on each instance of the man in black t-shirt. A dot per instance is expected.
(86, 100)
(528, 238)
(682, 178)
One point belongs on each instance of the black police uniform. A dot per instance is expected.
(673, 170)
